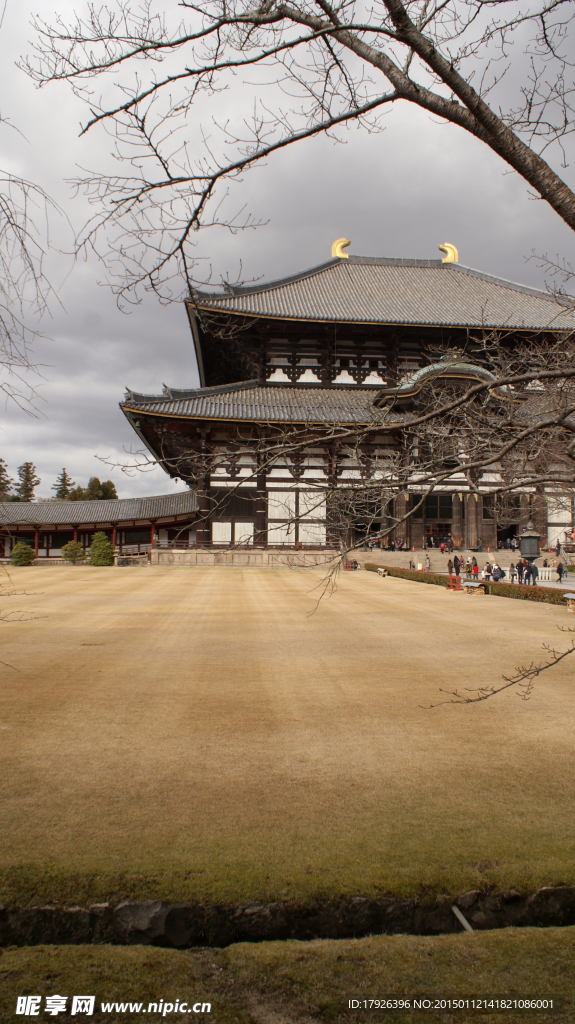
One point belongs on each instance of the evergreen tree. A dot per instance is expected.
(22, 554)
(63, 486)
(101, 550)
(27, 482)
(6, 482)
(73, 552)
(93, 491)
(109, 491)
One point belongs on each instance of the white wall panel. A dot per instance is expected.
(221, 533)
(281, 504)
(311, 533)
(312, 504)
(243, 533)
(281, 534)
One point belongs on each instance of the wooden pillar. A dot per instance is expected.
(472, 512)
(114, 537)
(152, 537)
(203, 530)
(403, 529)
(457, 523)
(75, 536)
(36, 543)
(261, 535)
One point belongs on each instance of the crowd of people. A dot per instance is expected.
(524, 572)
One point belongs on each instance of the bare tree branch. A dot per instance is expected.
(322, 66)
(523, 678)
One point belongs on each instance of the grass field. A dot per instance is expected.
(199, 734)
(297, 983)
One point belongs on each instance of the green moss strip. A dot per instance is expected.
(513, 590)
(300, 982)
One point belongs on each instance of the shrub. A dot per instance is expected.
(513, 590)
(101, 550)
(22, 554)
(73, 552)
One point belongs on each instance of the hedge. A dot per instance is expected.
(514, 590)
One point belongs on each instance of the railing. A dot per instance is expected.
(548, 575)
(171, 545)
(214, 546)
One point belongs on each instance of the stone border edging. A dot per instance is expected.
(185, 925)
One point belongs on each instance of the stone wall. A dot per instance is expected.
(261, 558)
(184, 925)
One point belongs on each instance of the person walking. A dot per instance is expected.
(496, 574)
(527, 575)
(534, 574)
(450, 567)
(560, 571)
(486, 571)
(512, 573)
(427, 563)
(520, 571)
(475, 570)
(456, 564)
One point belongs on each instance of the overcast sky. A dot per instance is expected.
(399, 193)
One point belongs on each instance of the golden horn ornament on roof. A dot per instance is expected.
(451, 253)
(338, 246)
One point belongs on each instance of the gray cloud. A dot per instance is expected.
(399, 193)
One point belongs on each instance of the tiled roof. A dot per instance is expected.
(365, 289)
(269, 403)
(52, 513)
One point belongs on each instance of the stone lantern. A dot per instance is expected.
(529, 543)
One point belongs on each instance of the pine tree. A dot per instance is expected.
(73, 552)
(93, 491)
(27, 482)
(63, 486)
(101, 550)
(22, 554)
(6, 482)
(109, 491)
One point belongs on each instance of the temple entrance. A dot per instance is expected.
(435, 533)
(507, 533)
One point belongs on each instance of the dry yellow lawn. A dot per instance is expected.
(180, 733)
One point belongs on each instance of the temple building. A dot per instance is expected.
(134, 525)
(289, 372)
(338, 345)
